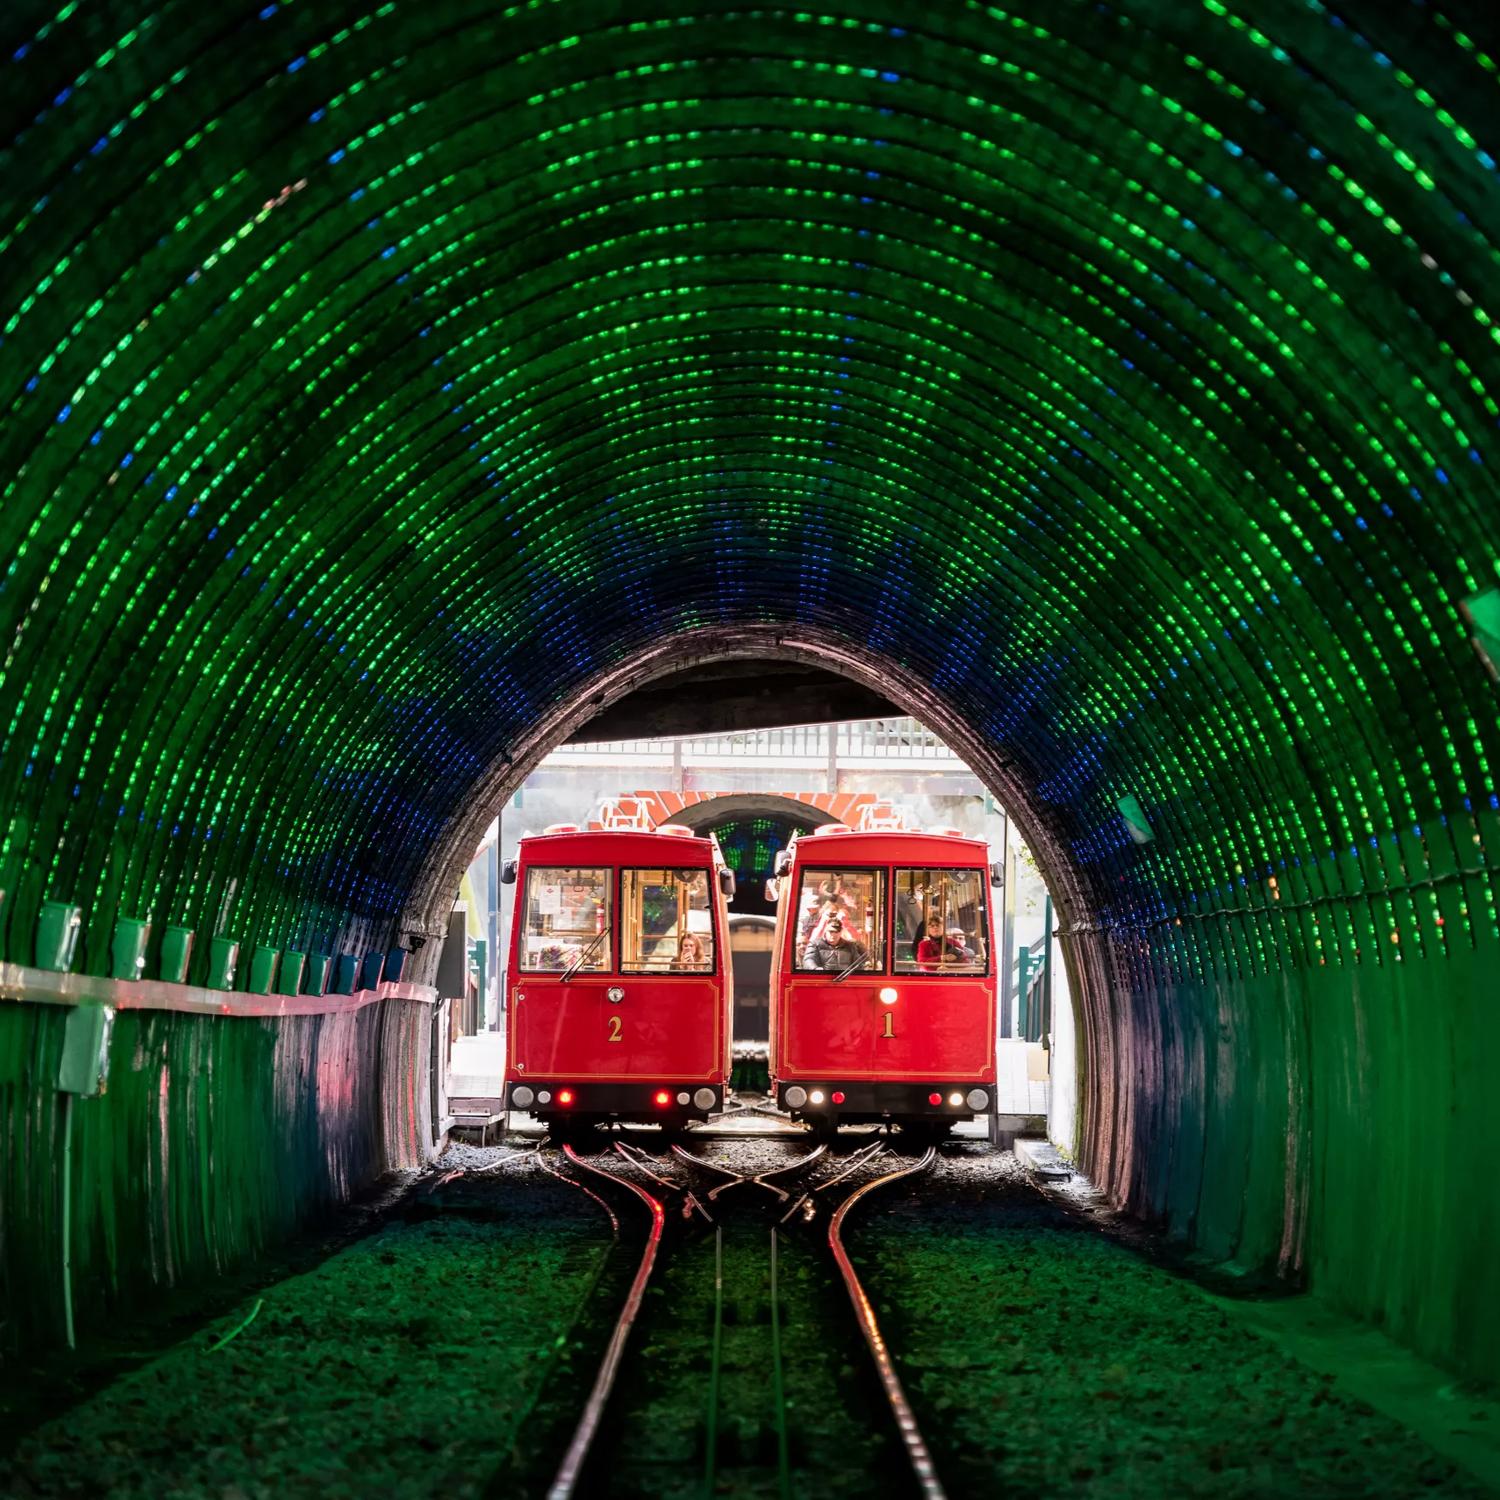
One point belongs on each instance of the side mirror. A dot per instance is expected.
(508, 872)
(783, 861)
(997, 873)
(727, 883)
(773, 891)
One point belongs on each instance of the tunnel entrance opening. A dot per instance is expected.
(757, 785)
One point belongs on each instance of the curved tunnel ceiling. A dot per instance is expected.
(377, 377)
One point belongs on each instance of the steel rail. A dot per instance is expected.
(916, 1448)
(565, 1482)
(855, 1162)
(638, 1159)
(736, 1179)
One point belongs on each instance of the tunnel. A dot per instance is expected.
(392, 389)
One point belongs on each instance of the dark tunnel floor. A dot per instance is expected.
(1043, 1358)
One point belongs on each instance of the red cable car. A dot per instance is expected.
(618, 991)
(884, 988)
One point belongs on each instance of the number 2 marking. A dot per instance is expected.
(890, 1026)
(617, 1025)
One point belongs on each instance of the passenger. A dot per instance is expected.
(690, 954)
(936, 951)
(813, 924)
(837, 949)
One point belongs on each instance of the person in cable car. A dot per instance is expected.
(837, 949)
(690, 954)
(936, 949)
(815, 921)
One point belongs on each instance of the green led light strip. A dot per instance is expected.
(375, 376)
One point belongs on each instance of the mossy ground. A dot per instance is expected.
(1046, 1359)
(399, 1367)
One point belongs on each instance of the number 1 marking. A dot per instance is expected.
(890, 1026)
(616, 1026)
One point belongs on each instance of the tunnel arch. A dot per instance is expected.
(716, 809)
(383, 383)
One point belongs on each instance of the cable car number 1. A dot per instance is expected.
(888, 1031)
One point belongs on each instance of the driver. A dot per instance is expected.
(836, 948)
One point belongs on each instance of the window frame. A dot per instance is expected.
(881, 903)
(712, 876)
(981, 873)
(612, 889)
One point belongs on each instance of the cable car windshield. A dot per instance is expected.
(940, 921)
(567, 915)
(840, 925)
(668, 922)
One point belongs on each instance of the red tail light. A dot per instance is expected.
(663, 1098)
(837, 1096)
(934, 1098)
(565, 1096)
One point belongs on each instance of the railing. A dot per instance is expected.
(879, 741)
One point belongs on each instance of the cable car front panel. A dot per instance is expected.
(618, 988)
(885, 1003)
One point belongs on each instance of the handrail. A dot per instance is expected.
(27, 986)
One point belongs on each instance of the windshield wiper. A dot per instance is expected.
(843, 974)
(587, 954)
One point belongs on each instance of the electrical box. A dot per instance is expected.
(370, 970)
(223, 960)
(128, 951)
(176, 952)
(57, 927)
(263, 970)
(85, 1055)
(395, 963)
(289, 981)
(346, 974)
(318, 965)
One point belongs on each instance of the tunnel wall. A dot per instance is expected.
(1335, 1128)
(214, 1138)
(1119, 382)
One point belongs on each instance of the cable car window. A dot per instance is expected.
(840, 920)
(940, 922)
(668, 918)
(566, 920)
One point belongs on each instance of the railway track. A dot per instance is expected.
(770, 1414)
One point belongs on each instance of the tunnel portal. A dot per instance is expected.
(392, 390)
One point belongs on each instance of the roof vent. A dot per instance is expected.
(561, 828)
(946, 831)
(833, 828)
(678, 830)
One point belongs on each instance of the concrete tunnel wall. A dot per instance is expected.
(383, 385)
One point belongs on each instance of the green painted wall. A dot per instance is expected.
(214, 1139)
(1336, 1128)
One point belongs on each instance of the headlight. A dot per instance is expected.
(978, 1099)
(888, 995)
(521, 1096)
(795, 1097)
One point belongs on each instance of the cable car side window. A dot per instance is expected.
(940, 921)
(840, 917)
(566, 920)
(668, 922)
